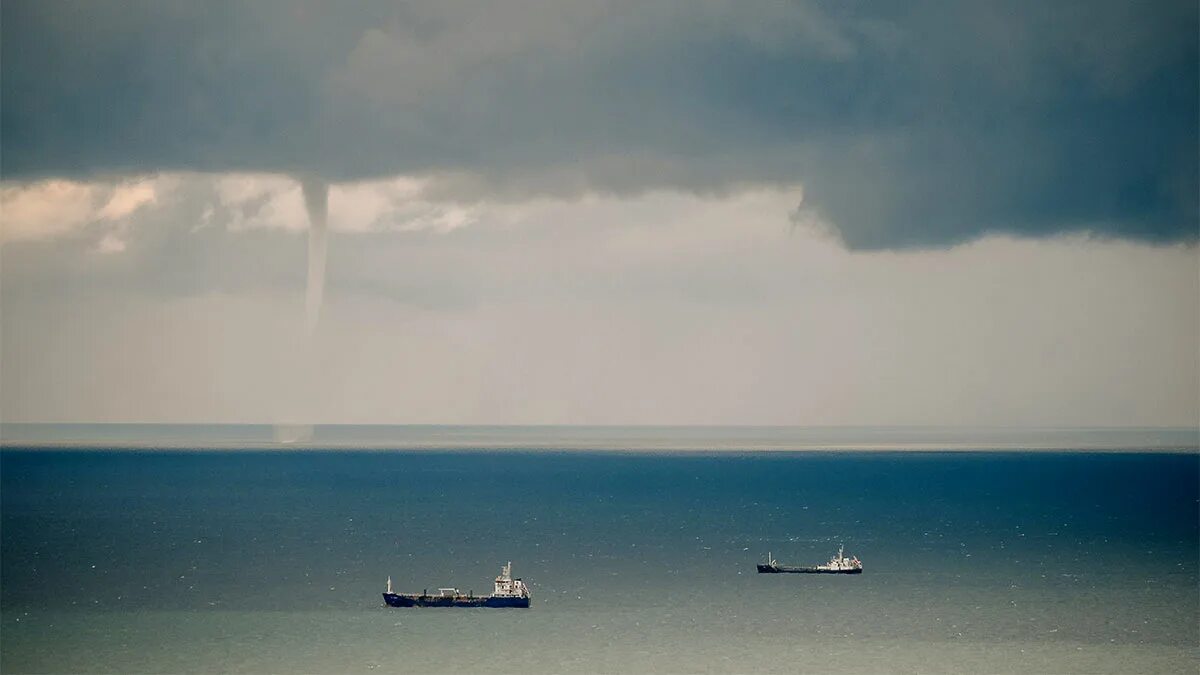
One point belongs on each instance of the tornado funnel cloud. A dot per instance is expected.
(316, 202)
(302, 388)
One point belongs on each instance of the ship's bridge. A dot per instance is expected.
(508, 587)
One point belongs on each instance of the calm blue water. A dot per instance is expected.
(274, 561)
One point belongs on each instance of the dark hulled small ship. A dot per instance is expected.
(509, 592)
(838, 564)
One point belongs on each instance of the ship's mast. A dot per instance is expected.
(389, 585)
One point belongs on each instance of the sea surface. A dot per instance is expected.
(638, 438)
(130, 561)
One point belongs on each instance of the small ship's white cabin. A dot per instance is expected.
(840, 563)
(508, 587)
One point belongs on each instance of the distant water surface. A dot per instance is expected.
(274, 561)
(638, 438)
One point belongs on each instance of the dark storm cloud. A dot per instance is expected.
(909, 124)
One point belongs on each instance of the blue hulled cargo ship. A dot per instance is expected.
(509, 592)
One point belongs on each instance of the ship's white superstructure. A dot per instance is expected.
(840, 563)
(508, 587)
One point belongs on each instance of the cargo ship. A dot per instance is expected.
(509, 592)
(838, 564)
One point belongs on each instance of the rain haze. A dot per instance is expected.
(595, 213)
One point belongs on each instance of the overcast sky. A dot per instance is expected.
(569, 212)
